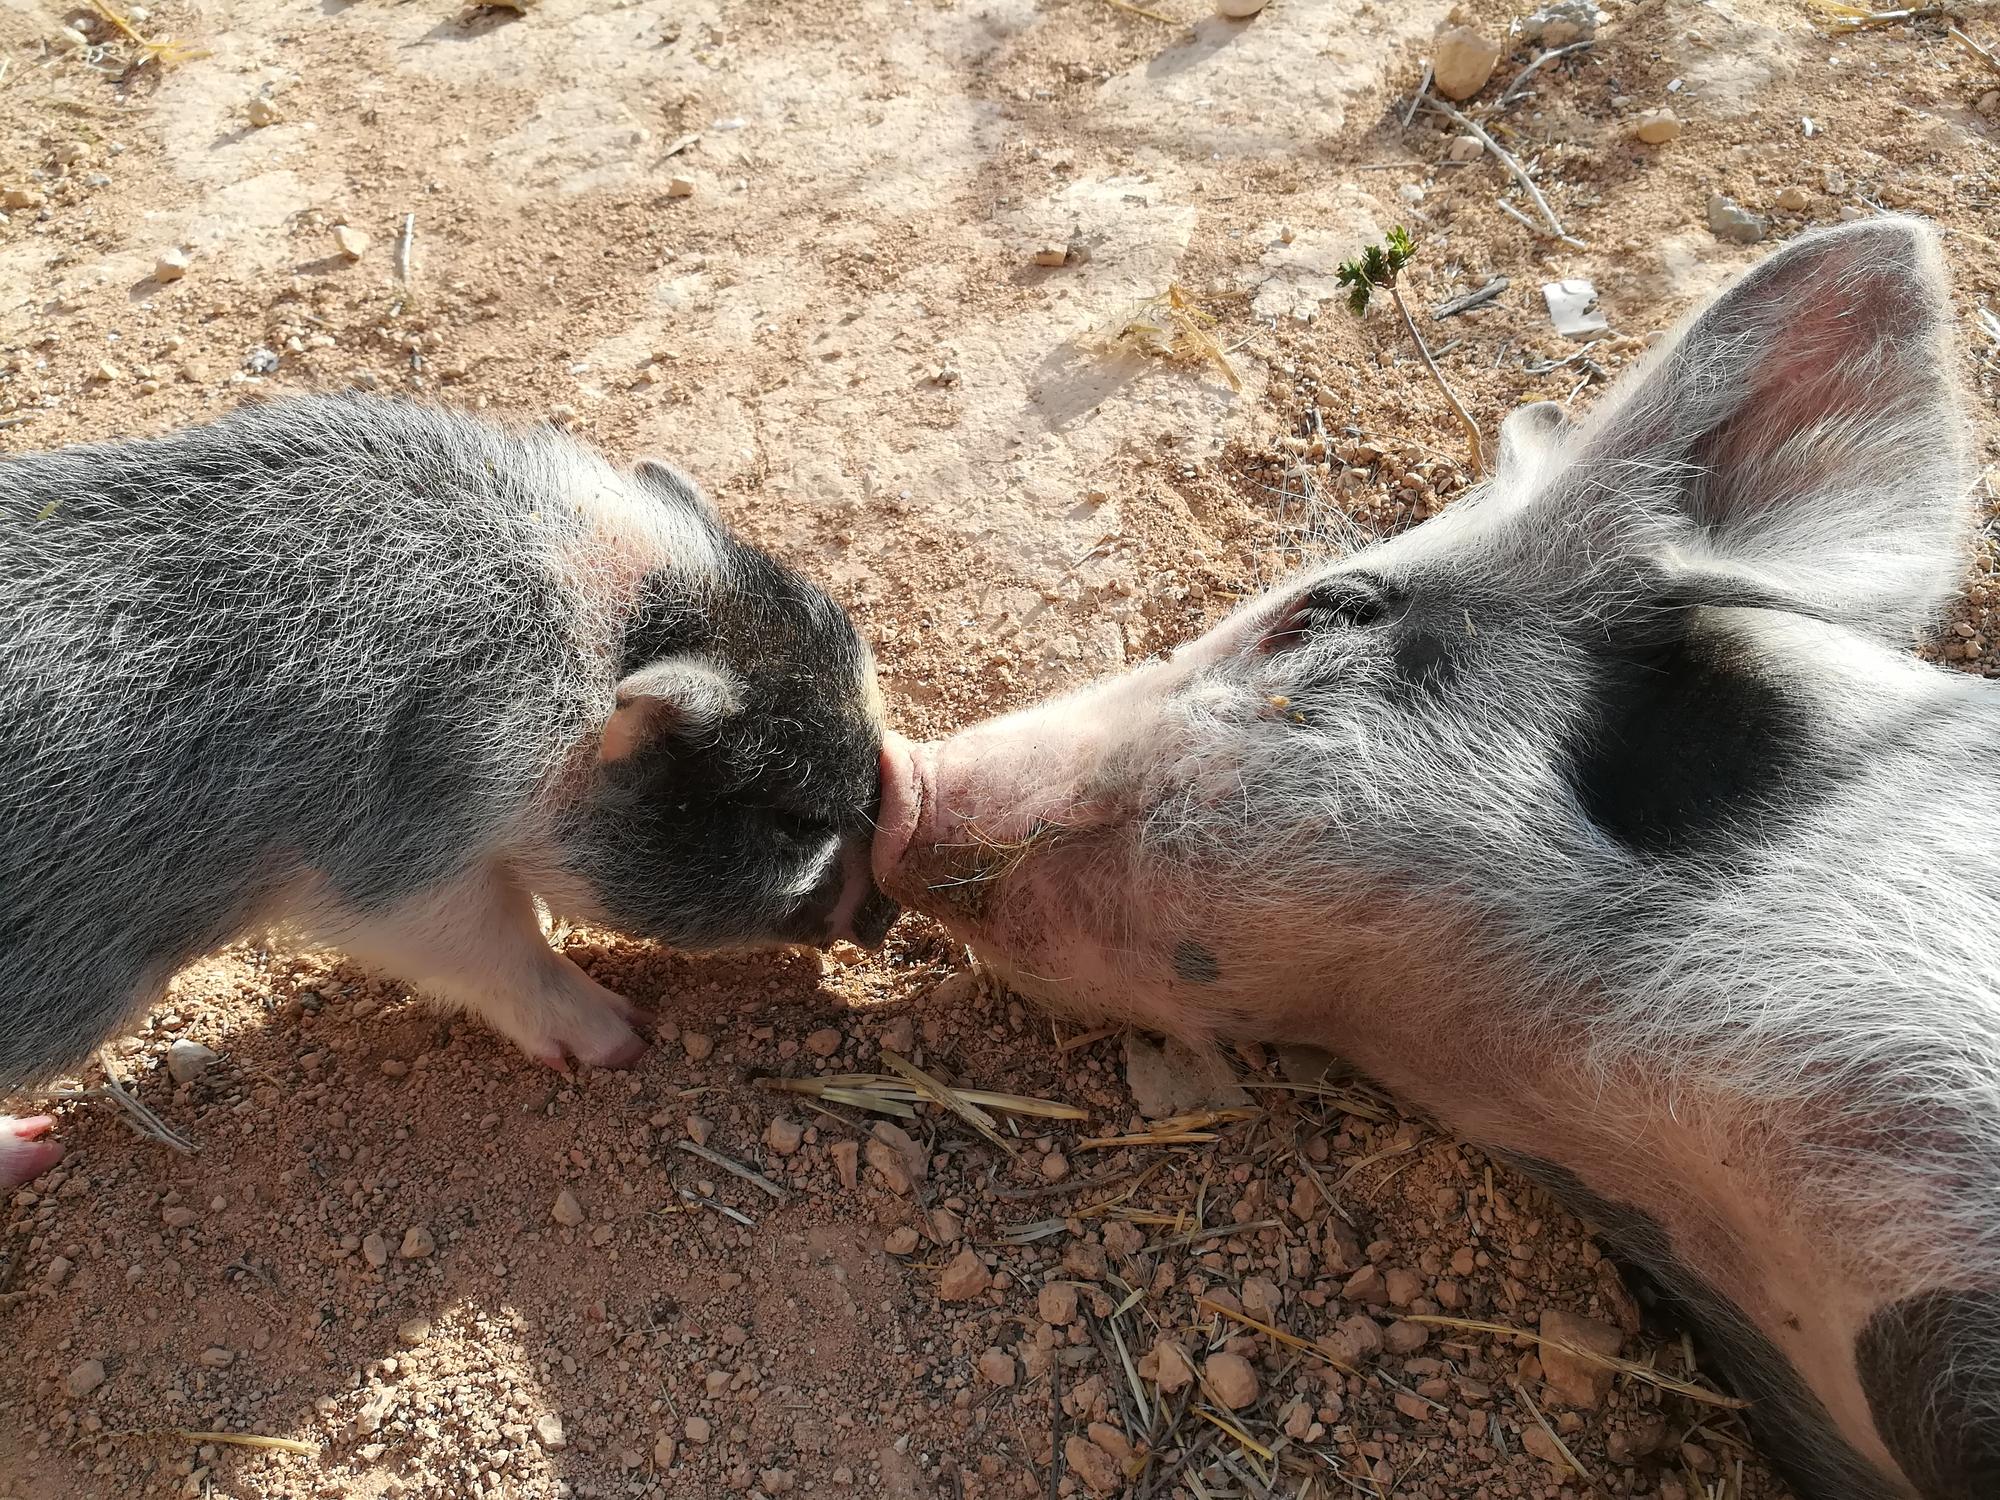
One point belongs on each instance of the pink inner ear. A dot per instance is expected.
(1848, 344)
(626, 730)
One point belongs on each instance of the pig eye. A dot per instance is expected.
(1348, 602)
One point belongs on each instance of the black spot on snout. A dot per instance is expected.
(1927, 1365)
(1688, 745)
(1194, 963)
(1793, 1429)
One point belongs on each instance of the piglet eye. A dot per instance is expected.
(1348, 602)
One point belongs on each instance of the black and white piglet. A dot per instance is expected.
(383, 675)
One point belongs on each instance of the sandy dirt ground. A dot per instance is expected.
(794, 246)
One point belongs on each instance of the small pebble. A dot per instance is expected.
(698, 1046)
(901, 1241)
(1051, 255)
(680, 187)
(996, 1367)
(180, 1216)
(549, 1432)
(1057, 1304)
(1239, 10)
(1657, 126)
(351, 242)
(1233, 1379)
(824, 1042)
(1793, 200)
(784, 1135)
(965, 1278)
(172, 265)
(218, 1358)
(1171, 1367)
(262, 112)
(1097, 1469)
(417, 1243)
(567, 1211)
(58, 1271)
(414, 1331)
(696, 1430)
(1465, 148)
(1463, 60)
(1055, 1167)
(86, 1378)
(375, 1250)
(1729, 220)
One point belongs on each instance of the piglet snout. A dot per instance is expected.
(861, 913)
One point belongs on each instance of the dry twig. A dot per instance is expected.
(735, 1168)
(1506, 159)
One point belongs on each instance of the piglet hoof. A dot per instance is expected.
(24, 1154)
(598, 1028)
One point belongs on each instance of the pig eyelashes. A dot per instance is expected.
(1350, 601)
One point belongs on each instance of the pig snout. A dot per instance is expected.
(906, 793)
(848, 906)
(1011, 837)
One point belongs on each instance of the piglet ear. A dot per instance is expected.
(1530, 438)
(1804, 427)
(680, 697)
(668, 483)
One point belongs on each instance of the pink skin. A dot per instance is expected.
(25, 1151)
(1020, 835)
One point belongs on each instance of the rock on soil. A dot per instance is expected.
(784, 1135)
(1657, 126)
(567, 1211)
(1560, 23)
(1572, 1378)
(1168, 1366)
(1233, 1379)
(1176, 1079)
(86, 1378)
(965, 1278)
(1464, 59)
(1097, 1469)
(1057, 1304)
(1729, 220)
(187, 1061)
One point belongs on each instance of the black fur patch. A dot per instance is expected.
(1792, 1428)
(1688, 747)
(1926, 1364)
(1195, 963)
(1428, 649)
(692, 840)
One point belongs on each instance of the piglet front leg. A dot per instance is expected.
(476, 944)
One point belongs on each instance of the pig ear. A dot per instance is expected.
(1529, 438)
(1803, 432)
(676, 488)
(681, 697)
